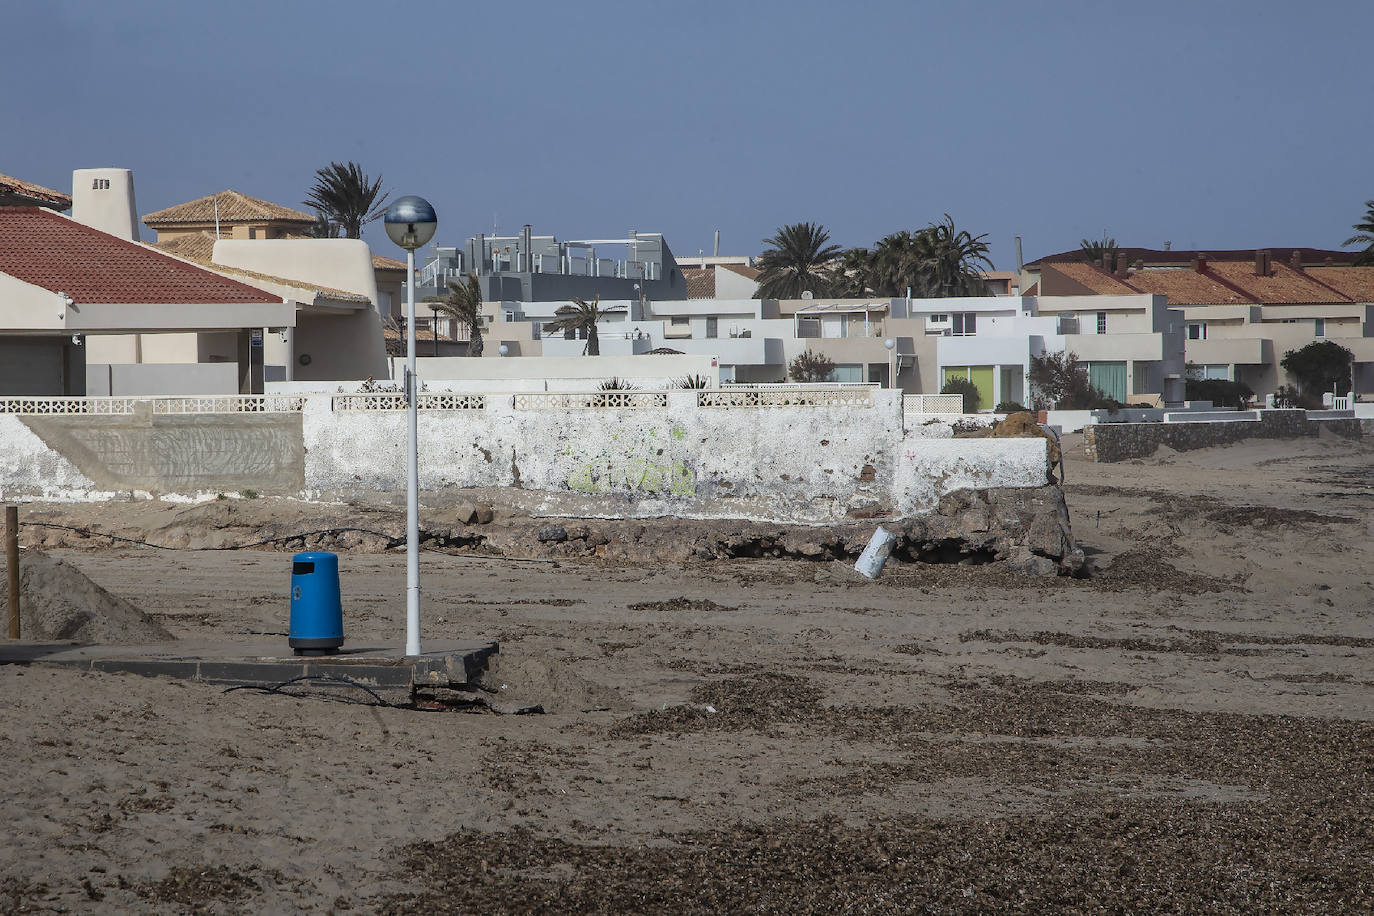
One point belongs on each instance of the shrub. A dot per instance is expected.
(1060, 381)
(1009, 407)
(1319, 367)
(616, 384)
(1221, 392)
(966, 388)
(690, 381)
(811, 367)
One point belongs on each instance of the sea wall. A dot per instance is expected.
(813, 457)
(1109, 442)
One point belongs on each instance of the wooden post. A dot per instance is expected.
(12, 560)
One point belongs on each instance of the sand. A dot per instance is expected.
(1191, 728)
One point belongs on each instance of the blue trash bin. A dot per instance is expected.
(316, 608)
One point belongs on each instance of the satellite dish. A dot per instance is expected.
(806, 294)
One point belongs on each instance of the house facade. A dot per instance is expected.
(1240, 317)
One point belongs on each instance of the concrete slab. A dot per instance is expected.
(445, 663)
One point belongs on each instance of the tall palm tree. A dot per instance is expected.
(1365, 236)
(322, 228)
(580, 316)
(897, 261)
(950, 261)
(464, 303)
(347, 197)
(796, 263)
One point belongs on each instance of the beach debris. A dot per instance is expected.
(875, 555)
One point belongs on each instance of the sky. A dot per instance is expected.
(1210, 125)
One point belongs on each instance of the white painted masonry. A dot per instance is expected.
(810, 462)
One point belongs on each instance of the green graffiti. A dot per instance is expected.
(637, 467)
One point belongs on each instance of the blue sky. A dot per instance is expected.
(1206, 124)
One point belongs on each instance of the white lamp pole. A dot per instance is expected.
(891, 344)
(410, 223)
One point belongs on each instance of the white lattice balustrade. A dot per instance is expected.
(561, 400)
(787, 396)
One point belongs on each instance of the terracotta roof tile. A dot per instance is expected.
(1158, 256)
(1184, 287)
(57, 253)
(701, 282)
(1283, 284)
(234, 207)
(382, 262)
(14, 192)
(1094, 278)
(1356, 283)
(744, 270)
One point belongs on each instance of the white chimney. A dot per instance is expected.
(104, 199)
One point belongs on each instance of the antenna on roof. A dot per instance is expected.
(216, 200)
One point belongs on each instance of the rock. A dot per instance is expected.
(555, 534)
(484, 514)
(465, 513)
(596, 539)
(577, 533)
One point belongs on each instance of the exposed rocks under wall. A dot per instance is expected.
(1023, 529)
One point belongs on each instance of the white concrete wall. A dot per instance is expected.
(31, 470)
(788, 464)
(344, 264)
(550, 373)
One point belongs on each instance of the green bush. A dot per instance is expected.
(1008, 407)
(966, 388)
(1221, 392)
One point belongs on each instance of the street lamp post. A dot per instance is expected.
(891, 344)
(410, 222)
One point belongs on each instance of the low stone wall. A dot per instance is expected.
(817, 457)
(1122, 441)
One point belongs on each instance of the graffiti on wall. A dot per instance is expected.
(641, 461)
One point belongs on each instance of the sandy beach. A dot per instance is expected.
(1190, 728)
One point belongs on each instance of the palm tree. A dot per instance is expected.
(1365, 236)
(347, 197)
(322, 228)
(1103, 249)
(796, 263)
(580, 316)
(896, 263)
(950, 261)
(463, 302)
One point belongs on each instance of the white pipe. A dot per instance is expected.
(412, 471)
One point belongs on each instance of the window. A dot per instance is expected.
(847, 374)
(1102, 322)
(965, 323)
(1318, 327)
(712, 326)
(1217, 371)
(939, 319)
(1197, 331)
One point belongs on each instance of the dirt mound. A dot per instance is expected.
(58, 602)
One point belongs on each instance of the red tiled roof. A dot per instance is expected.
(744, 270)
(382, 262)
(1158, 256)
(26, 193)
(234, 207)
(56, 253)
(1357, 283)
(701, 282)
(1282, 285)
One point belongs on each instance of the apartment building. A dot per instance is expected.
(1240, 316)
(540, 268)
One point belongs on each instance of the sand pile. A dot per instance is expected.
(58, 602)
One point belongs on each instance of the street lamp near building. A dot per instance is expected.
(410, 222)
(891, 344)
